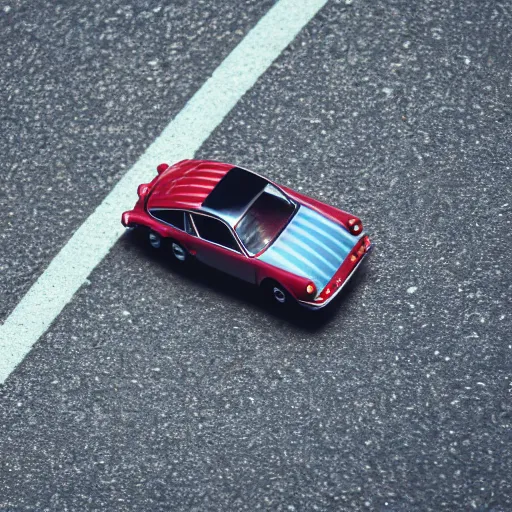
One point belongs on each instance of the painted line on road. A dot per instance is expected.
(180, 139)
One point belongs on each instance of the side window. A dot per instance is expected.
(215, 231)
(189, 227)
(173, 217)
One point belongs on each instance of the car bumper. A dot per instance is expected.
(320, 305)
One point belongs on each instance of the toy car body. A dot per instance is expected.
(241, 223)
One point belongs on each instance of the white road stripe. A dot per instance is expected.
(180, 139)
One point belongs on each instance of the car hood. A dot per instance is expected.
(311, 246)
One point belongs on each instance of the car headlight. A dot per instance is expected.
(311, 288)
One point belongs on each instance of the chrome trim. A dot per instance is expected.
(192, 224)
(178, 252)
(319, 305)
(279, 295)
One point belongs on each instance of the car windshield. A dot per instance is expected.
(264, 219)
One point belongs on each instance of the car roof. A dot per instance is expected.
(234, 194)
(187, 184)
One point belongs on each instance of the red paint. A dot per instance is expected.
(343, 272)
(186, 184)
(161, 168)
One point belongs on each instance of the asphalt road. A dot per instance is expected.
(159, 388)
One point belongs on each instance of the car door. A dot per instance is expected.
(216, 246)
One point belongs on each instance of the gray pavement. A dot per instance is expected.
(162, 388)
(84, 89)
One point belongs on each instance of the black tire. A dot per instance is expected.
(179, 253)
(155, 239)
(276, 294)
(133, 228)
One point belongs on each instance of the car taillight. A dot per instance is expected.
(367, 244)
(311, 289)
(161, 168)
(355, 226)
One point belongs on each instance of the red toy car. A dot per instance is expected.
(241, 223)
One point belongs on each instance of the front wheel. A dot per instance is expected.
(276, 294)
(178, 251)
(279, 295)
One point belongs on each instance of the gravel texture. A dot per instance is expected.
(85, 87)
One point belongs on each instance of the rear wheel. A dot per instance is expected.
(155, 239)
